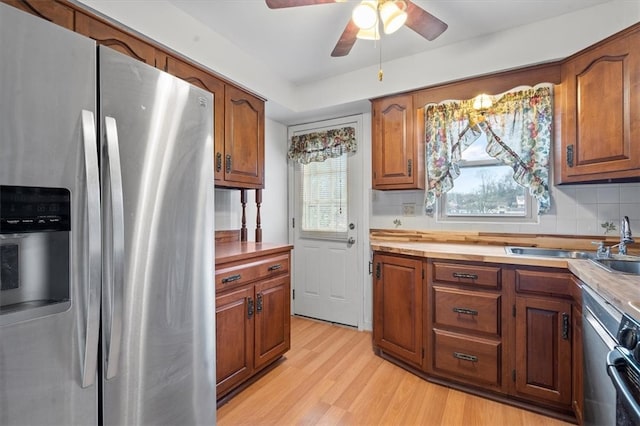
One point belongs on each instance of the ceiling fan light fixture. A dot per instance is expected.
(369, 33)
(365, 15)
(393, 15)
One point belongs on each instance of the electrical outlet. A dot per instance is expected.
(409, 209)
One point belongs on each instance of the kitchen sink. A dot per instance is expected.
(617, 265)
(548, 252)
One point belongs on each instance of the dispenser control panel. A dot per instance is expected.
(34, 209)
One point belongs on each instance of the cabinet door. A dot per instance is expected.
(210, 83)
(601, 112)
(51, 11)
(398, 305)
(272, 320)
(244, 140)
(543, 349)
(234, 338)
(397, 164)
(116, 39)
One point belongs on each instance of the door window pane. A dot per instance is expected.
(324, 196)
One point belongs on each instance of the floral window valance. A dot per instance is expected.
(319, 146)
(518, 131)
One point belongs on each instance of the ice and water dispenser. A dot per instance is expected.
(35, 224)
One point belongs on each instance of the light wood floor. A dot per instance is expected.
(331, 377)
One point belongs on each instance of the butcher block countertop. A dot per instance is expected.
(233, 251)
(621, 290)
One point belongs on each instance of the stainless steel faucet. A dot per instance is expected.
(625, 236)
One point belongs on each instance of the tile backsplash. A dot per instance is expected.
(575, 210)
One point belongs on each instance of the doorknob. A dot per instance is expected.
(351, 241)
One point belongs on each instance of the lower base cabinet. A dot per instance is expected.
(543, 349)
(398, 309)
(253, 318)
(498, 330)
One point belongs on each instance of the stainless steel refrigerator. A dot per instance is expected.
(106, 235)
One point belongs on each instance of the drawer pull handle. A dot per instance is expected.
(465, 357)
(231, 279)
(465, 276)
(465, 311)
(274, 267)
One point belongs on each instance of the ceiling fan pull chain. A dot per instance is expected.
(380, 72)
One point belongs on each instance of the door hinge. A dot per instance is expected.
(570, 155)
(293, 222)
(370, 268)
(294, 294)
(565, 326)
(513, 311)
(378, 272)
(513, 375)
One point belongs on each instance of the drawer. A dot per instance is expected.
(469, 310)
(544, 282)
(483, 276)
(254, 269)
(474, 359)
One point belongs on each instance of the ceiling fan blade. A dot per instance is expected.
(347, 40)
(280, 4)
(424, 23)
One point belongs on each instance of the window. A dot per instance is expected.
(485, 190)
(324, 198)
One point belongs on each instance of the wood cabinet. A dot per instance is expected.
(509, 332)
(238, 126)
(243, 154)
(210, 83)
(108, 35)
(599, 108)
(543, 349)
(543, 345)
(52, 11)
(465, 323)
(398, 307)
(397, 151)
(252, 316)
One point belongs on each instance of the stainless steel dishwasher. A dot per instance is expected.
(600, 322)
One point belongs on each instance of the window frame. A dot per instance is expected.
(530, 215)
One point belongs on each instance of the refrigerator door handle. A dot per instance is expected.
(114, 255)
(94, 246)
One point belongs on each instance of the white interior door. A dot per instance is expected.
(327, 237)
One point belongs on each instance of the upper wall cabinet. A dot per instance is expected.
(600, 112)
(108, 35)
(51, 11)
(238, 126)
(207, 82)
(243, 155)
(397, 151)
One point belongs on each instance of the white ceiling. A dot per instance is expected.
(296, 43)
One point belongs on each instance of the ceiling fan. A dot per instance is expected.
(369, 15)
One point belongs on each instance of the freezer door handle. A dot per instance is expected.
(92, 308)
(113, 253)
